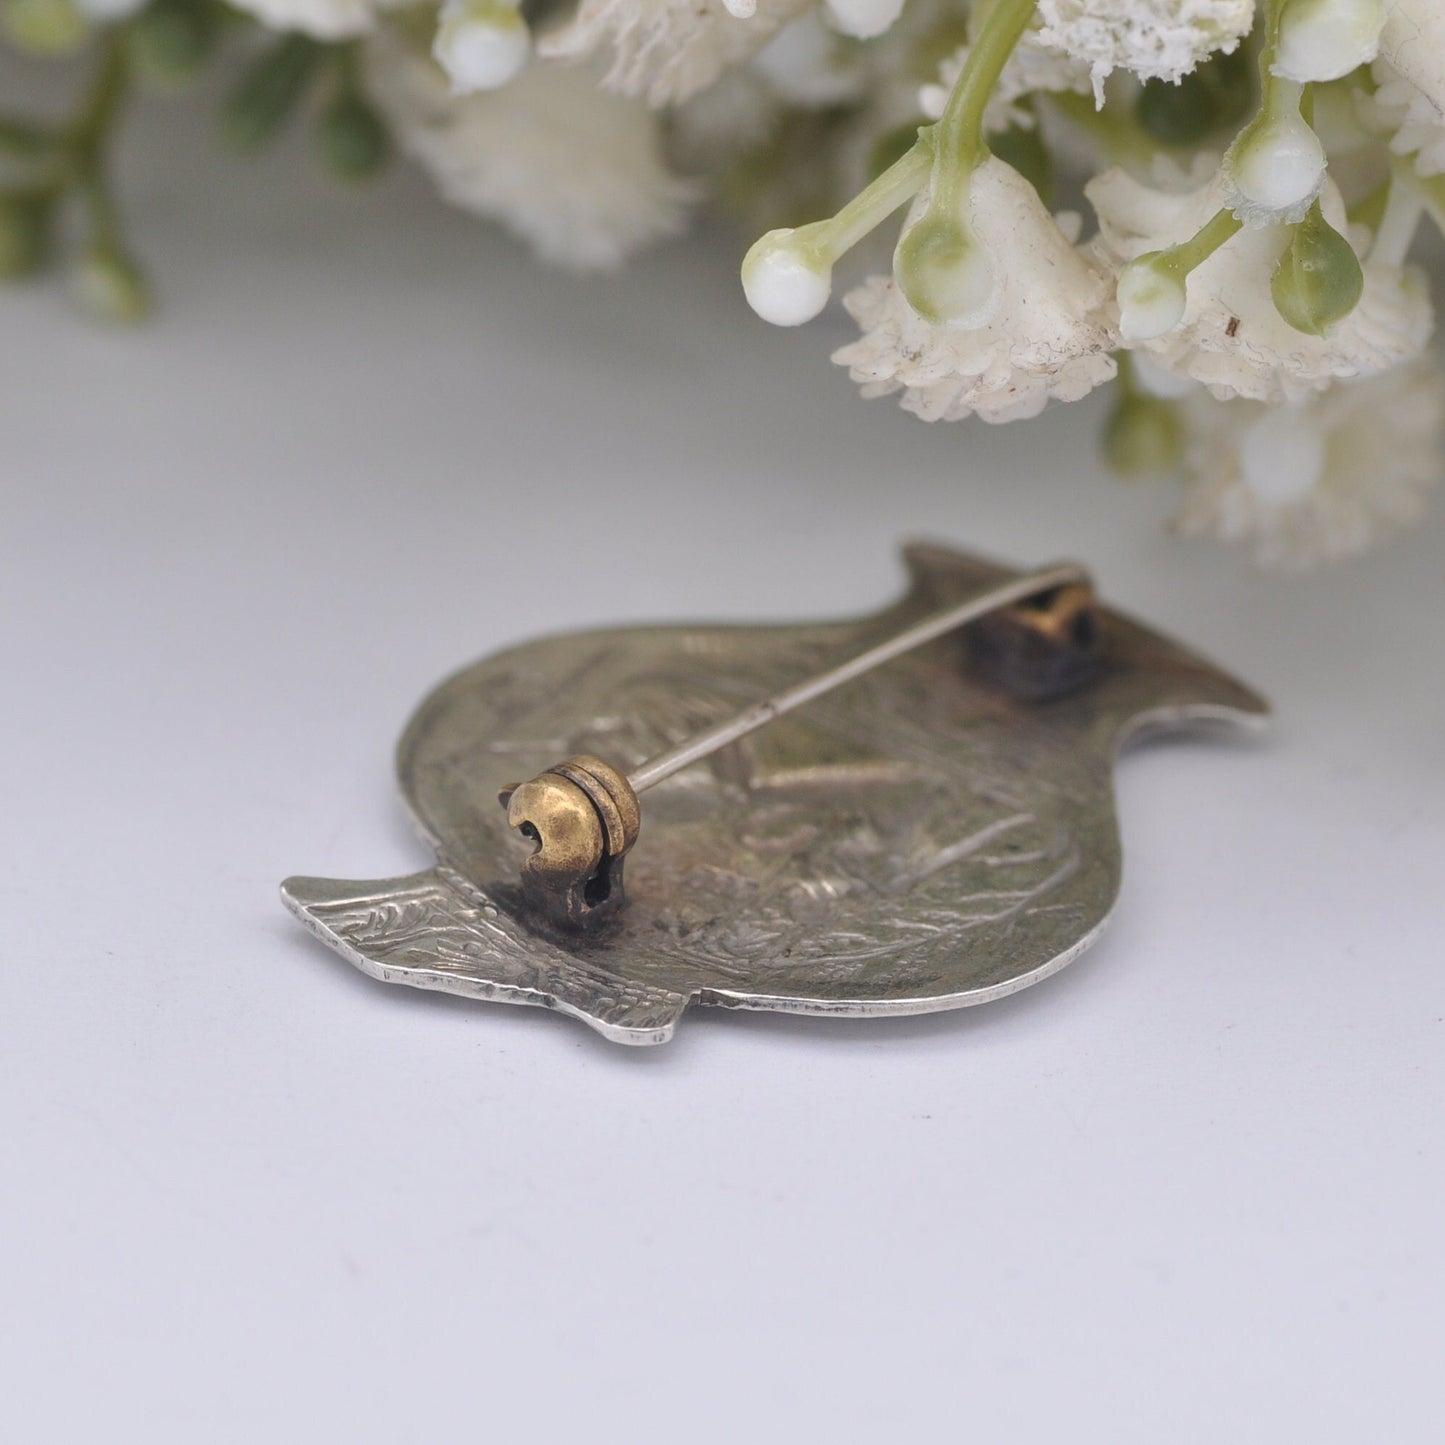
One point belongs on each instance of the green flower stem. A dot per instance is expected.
(346, 64)
(24, 141)
(270, 89)
(1271, 87)
(827, 240)
(1281, 97)
(73, 144)
(948, 150)
(83, 142)
(958, 140)
(75, 149)
(105, 228)
(108, 88)
(1180, 260)
(1278, 98)
(944, 275)
(354, 139)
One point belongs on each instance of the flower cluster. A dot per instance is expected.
(1244, 180)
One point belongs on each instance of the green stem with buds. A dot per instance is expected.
(958, 139)
(948, 150)
(86, 140)
(72, 158)
(942, 271)
(1153, 288)
(1284, 107)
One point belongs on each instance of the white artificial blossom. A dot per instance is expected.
(1414, 123)
(1412, 43)
(1153, 39)
(811, 66)
(1047, 335)
(571, 169)
(481, 44)
(322, 19)
(862, 19)
(1315, 481)
(1258, 324)
(1229, 336)
(666, 50)
(1032, 69)
(1327, 39)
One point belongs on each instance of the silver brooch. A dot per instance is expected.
(908, 812)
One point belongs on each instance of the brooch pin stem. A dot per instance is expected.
(583, 814)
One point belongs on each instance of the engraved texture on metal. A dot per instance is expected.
(573, 812)
(920, 839)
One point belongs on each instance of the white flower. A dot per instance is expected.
(1031, 68)
(667, 50)
(1314, 482)
(1415, 123)
(1231, 338)
(325, 19)
(1413, 43)
(575, 171)
(808, 65)
(481, 44)
(1156, 39)
(1047, 336)
(862, 19)
(1327, 39)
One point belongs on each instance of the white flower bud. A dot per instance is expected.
(1282, 456)
(1327, 39)
(1152, 298)
(110, 285)
(863, 19)
(481, 44)
(1275, 170)
(784, 283)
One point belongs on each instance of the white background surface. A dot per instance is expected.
(1190, 1190)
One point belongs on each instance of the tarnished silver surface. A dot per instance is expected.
(914, 841)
